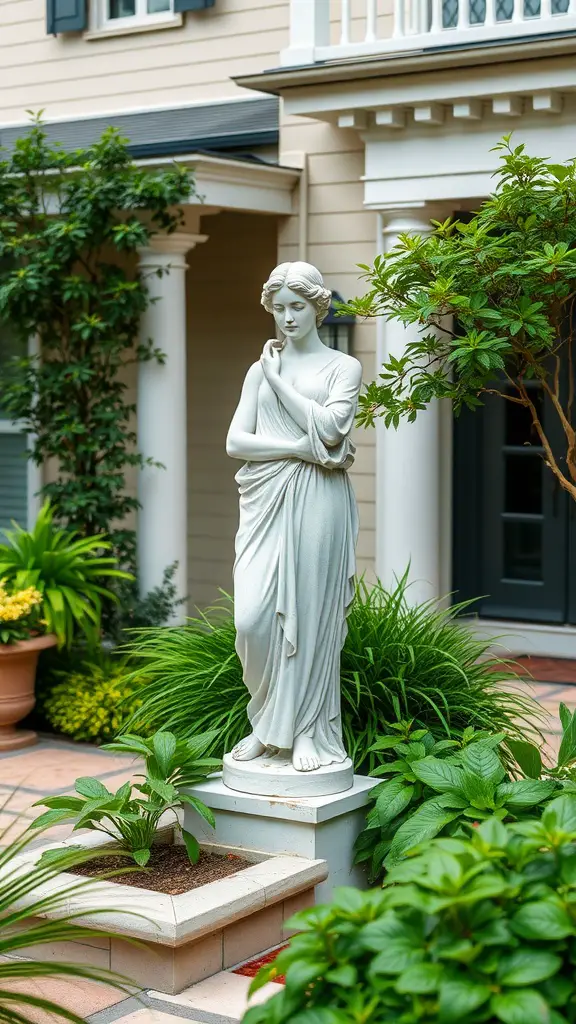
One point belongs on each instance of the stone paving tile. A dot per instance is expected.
(224, 993)
(83, 997)
(148, 1015)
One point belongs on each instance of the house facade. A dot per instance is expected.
(317, 130)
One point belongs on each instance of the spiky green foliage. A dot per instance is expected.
(29, 918)
(68, 570)
(399, 662)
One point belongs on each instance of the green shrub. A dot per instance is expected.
(477, 929)
(92, 702)
(399, 662)
(437, 788)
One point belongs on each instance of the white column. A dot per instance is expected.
(309, 28)
(162, 415)
(407, 462)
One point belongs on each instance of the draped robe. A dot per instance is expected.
(295, 565)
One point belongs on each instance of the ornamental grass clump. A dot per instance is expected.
(400, 661)
(19, 614)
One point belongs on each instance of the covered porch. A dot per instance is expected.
(208, 322)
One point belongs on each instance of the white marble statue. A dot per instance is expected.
(295, 557)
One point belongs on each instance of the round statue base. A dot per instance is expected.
(274, 775)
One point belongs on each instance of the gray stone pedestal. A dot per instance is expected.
(320, 828)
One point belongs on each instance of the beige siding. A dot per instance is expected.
(341, 234)
(73, 76)
(226, 332)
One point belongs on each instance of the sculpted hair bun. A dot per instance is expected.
(302, 278)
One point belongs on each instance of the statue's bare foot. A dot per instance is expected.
(248, 749)
(304, 755)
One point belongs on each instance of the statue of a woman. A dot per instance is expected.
(295, 557)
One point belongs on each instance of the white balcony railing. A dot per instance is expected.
(325, 30)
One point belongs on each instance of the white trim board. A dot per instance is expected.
(534, 638)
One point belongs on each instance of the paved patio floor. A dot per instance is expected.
(51, 768)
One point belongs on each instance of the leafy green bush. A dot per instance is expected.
(69, 571)
(71, 279)
(92, 702)
(438, 787)
(170, 766)
(478, 929)
(398, 662)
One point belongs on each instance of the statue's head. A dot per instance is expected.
(295, 293)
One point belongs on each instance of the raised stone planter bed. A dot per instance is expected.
(182, 939)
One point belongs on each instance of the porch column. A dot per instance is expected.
(407, 460)
(162, 416)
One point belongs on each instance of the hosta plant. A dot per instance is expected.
(437, 787)
(69, 572)
(131, 815)
(473, 930)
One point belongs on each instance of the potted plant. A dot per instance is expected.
(22, 637)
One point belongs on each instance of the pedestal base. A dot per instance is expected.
(321, 828)
(273, 775)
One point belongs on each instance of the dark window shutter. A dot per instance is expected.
(191, 5)
(66, 16)
(13, 479)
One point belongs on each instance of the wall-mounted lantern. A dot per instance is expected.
(336, 331)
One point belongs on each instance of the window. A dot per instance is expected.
(20, 479)
(134, 13)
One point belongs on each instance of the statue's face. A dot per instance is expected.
(295, 316)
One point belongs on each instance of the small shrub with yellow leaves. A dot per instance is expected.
(92, 703)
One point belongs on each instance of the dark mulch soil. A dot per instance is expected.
(168, 869)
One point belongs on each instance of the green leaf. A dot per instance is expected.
(91, 788)
(560, 815)
(439, 775)
(69, 803)
(165, 790)
(302, 973)
(199, 806)
(527, 757)
(351, 901)
(525, 792)
(192, 846)
(52, 818)
(527, 967)
(524, 1007)
(164, 744)
(459, 999)
(392, 799)
(425, 823)
(421, 979)
(483, 762)
(493, 832)
(346, 976)
(141, 857)
(544, 920)
(567, 751)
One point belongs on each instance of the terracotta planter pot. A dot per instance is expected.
(17, 677)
